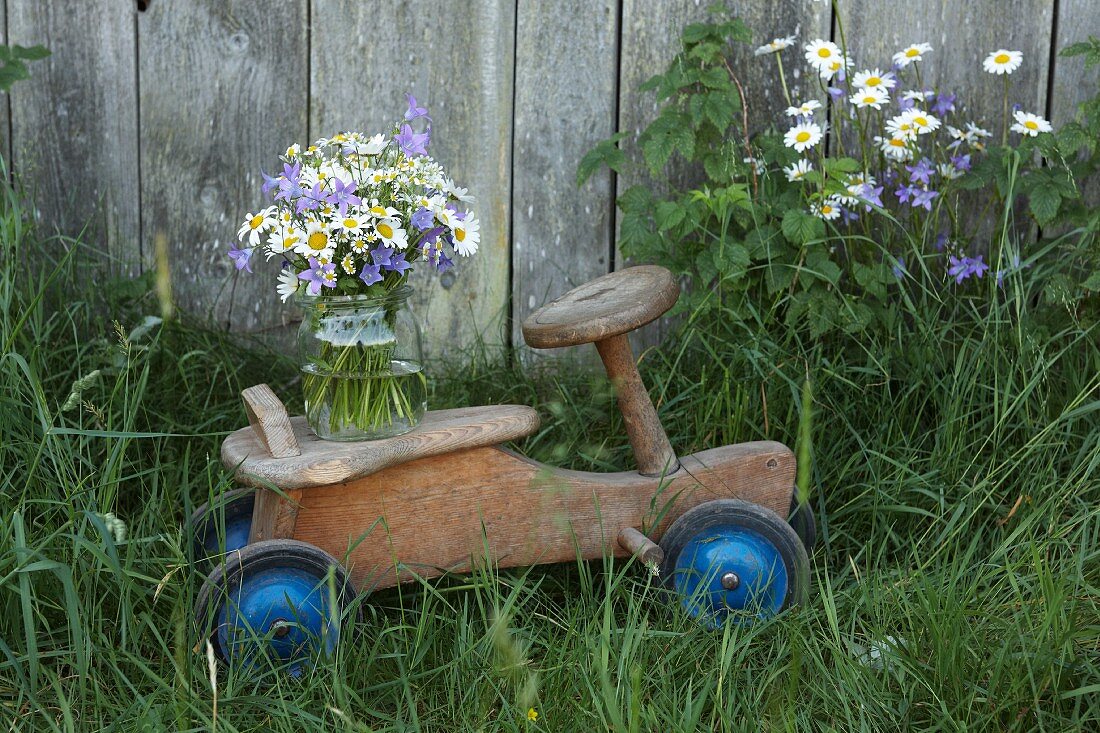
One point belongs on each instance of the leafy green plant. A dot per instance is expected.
(12, 63)
(845, 233)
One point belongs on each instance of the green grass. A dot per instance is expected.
(956, 480)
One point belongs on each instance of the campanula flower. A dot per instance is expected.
(413, 143)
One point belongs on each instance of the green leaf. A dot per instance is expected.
(30, 53)
(801, 227)
(605, 152)
(668, 133)
(731, 259)
(1090, 49)
(1093, 283)
(1044, 201)
(12, 72)
(821, 266)
(668, 215)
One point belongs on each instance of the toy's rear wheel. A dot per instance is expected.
(801, 519)
(223, 524)
(732, 559)
(280, 600)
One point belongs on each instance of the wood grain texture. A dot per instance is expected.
(5, 101)
(439, 514)
(640, 546)
(270, 422)
(74, 124)
(274, 516)
(327, 462)
(457, 58)
(652, 451)
(223, 91)
(612, 304)
(651, 38)
(566, 76)
(962, 34)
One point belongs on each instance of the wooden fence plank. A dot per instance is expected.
(566, 73)
(457, 58)
(223, 91)
(74, 125)
(650, 37)
(5, 105)
(962, 34)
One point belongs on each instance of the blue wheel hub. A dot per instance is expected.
(730, 569)
(285, 611)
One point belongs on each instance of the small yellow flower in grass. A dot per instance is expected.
(870, 97)
(802, 137)
(775, 45)
(1029, 124)
(532, 714)
(909, 54)
(1002, 61)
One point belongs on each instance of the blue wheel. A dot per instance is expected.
(273, 600)
(222, 525)
(732, 559)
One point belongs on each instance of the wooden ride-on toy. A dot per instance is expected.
(447, 496)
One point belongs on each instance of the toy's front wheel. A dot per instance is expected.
(222, 525)
(277, 599)
(729, 558)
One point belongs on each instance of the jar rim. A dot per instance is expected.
(401, 292)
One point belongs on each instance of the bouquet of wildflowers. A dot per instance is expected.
(351, 216)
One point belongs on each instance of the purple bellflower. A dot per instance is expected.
(871, 194)
(920, 172)
(963, 267)
(413, 143)
(316, 276)
(899, 268)
(242, 258)
(423, 219)
(342, 195)
(381, 255)
(961, 162)
(414, 111)
(944, 103)
(371, 274)
(398, 264)
(923, 197)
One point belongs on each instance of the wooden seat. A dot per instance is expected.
(323, 462)
(614, 304)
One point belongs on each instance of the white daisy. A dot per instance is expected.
(832, 68)
(912, 95)
(456, 192)
(921, 121)
(857, 181)
(1002, 61)
(391, 233)
(806, 109)
(466, 236)
(347, 264)
(1029, 124)
(798, 171)
(288, 283)
(256, 224)
(318, 242)
(870, 97)
(350, 224)
(776, 45)
(900, 126)
(293, 151)
(284, 239)
(373, 146)
(894, 147)
(872, 79)
(382, 212)
(820, 54)
(828, 210)
(360, 246)
(801, 137)
(909, 54)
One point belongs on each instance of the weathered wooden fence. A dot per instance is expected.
(154, 117)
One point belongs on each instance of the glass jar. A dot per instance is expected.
(362, 365)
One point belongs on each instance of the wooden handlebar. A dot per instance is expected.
(268, 418)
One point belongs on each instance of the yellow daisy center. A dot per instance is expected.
(824, 53)
(1002, 58)
(802, 136)
(826, 209)
(1031, 125)
(460, 235)
(289, 242)
(834, 66)
(385, 230)
(256, 221)
(378, 211)
(897, 142)
(911, 52)
(922, 121)
(869, 99)
(350, 223)
(874, 81)
(317, 241)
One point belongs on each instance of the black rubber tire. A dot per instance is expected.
(236, 502)
(801, 519)
(726, 512)
(227, 577)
